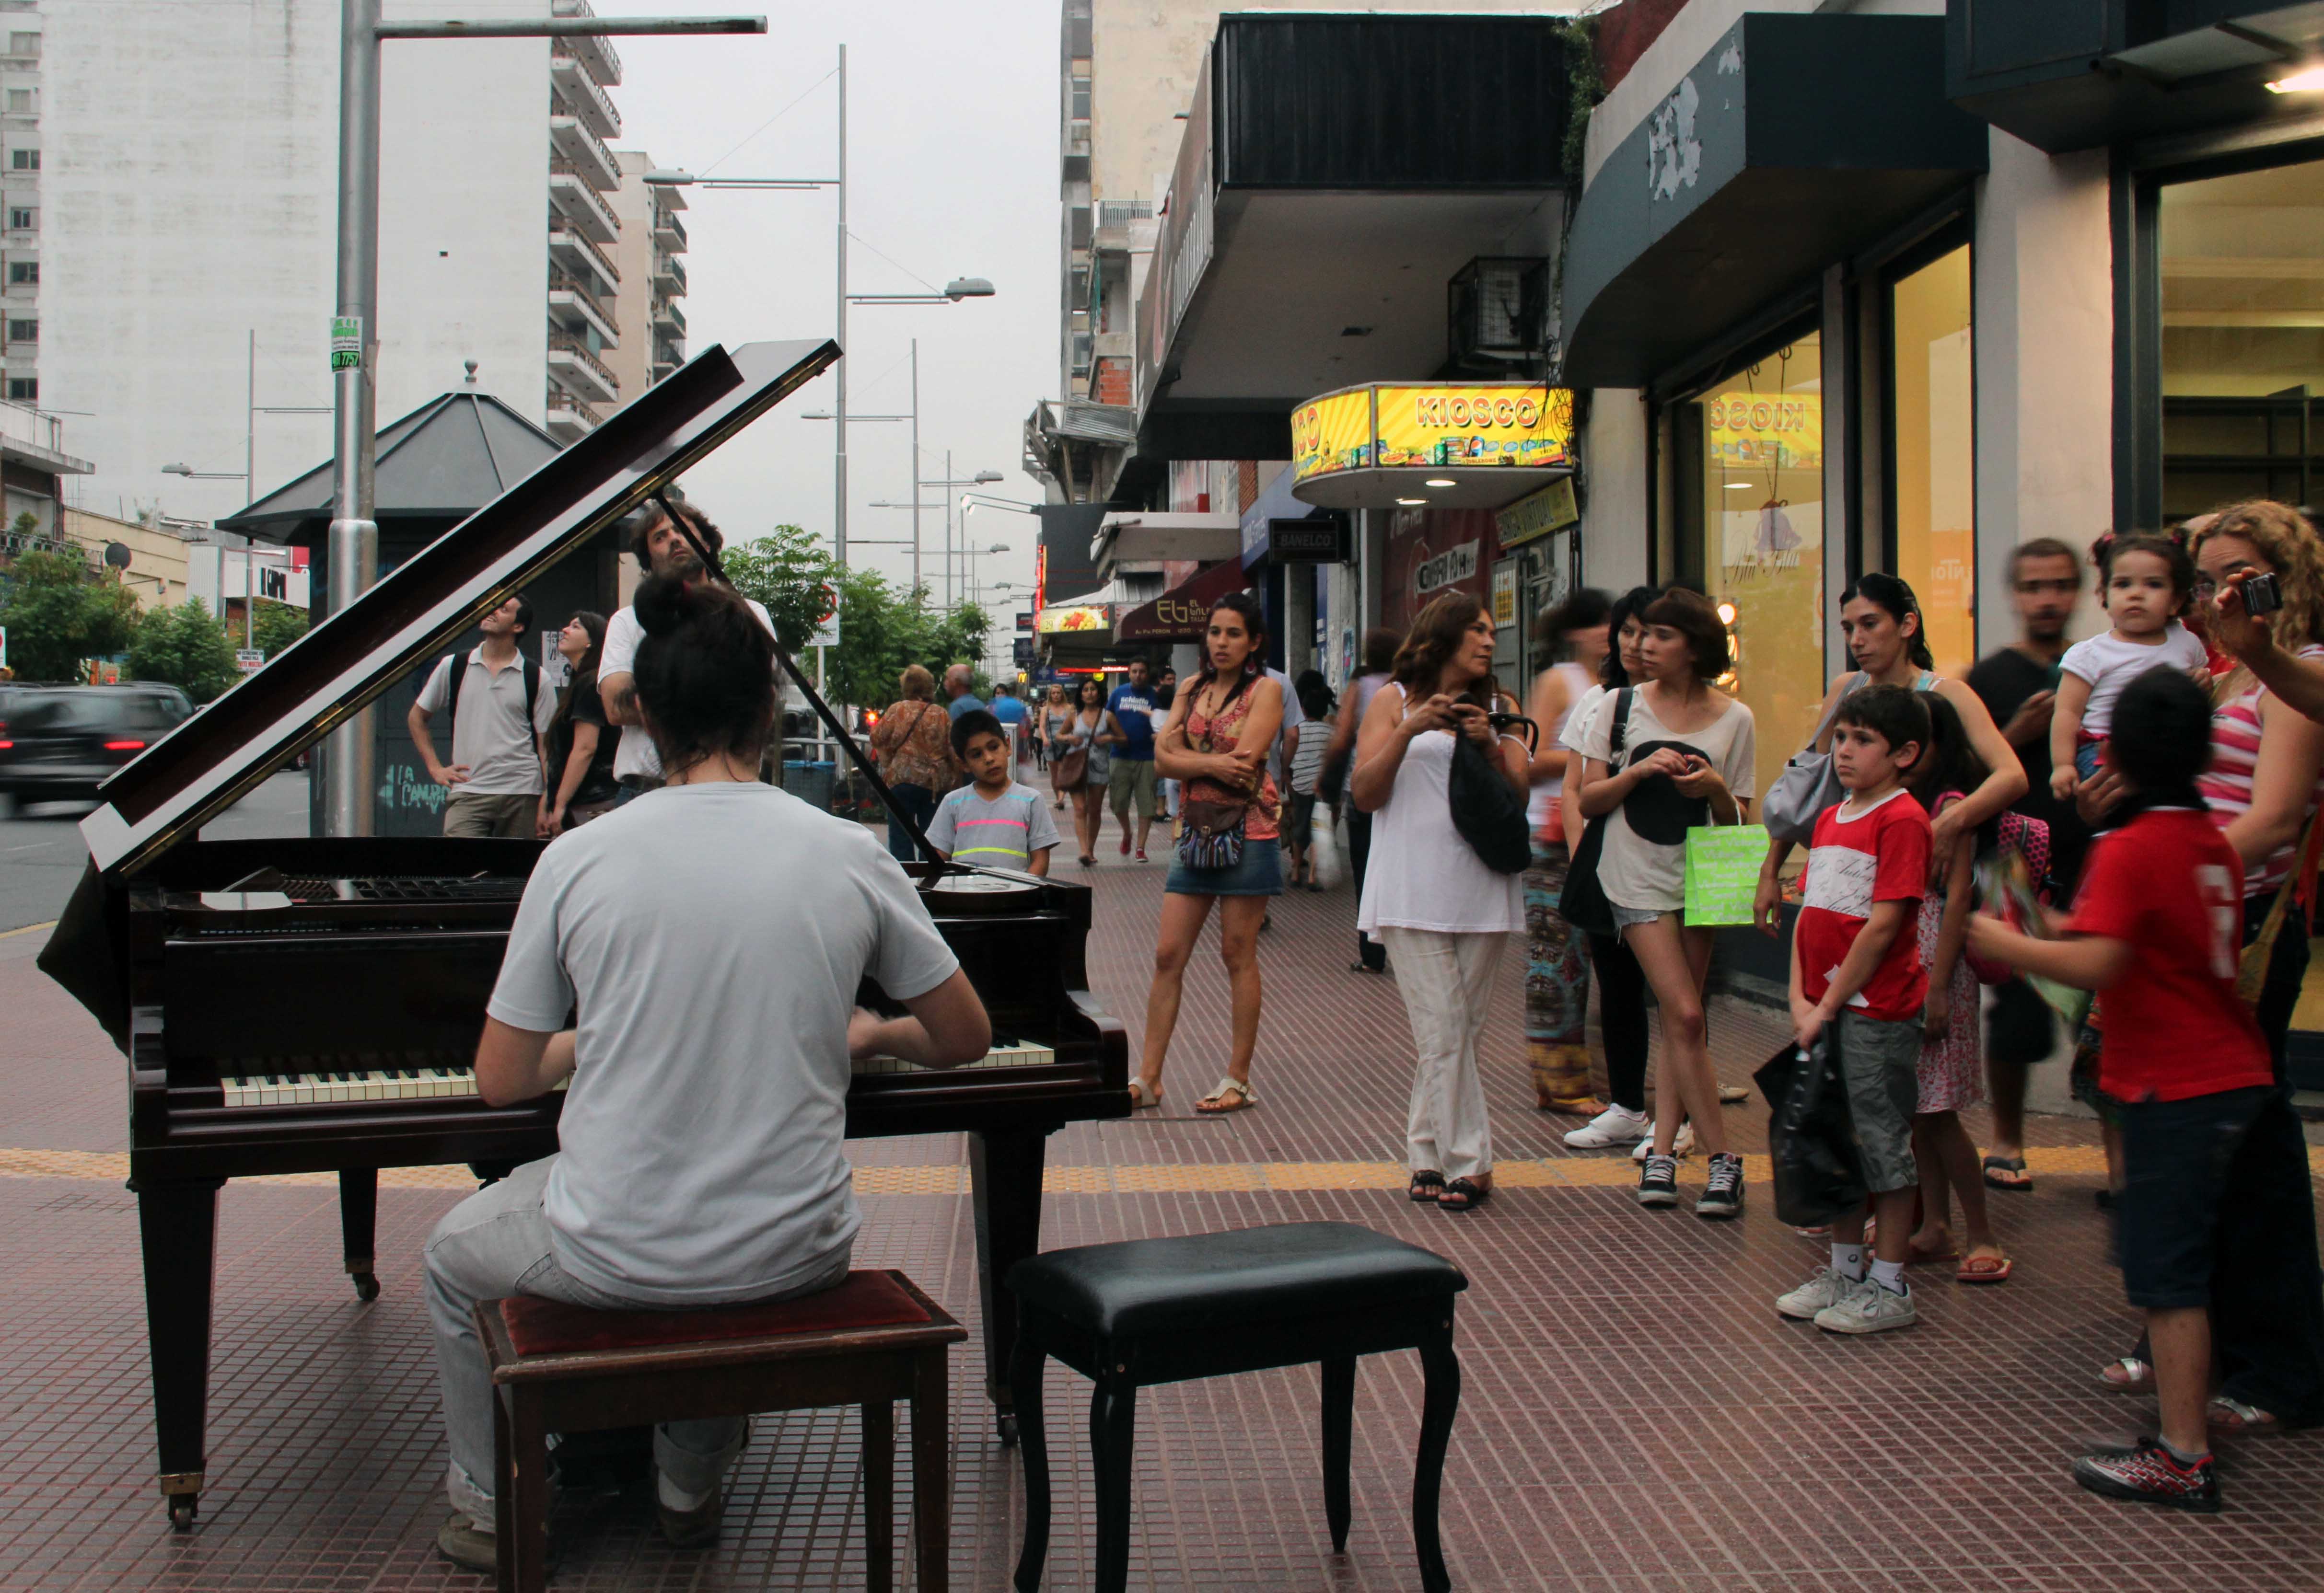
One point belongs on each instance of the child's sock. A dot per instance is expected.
(1889, 1275)
(2184, 1458)
(1847, 1260)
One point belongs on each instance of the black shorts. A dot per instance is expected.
(1298, 814)
(2188, 1167)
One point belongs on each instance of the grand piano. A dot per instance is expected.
(313, 1005)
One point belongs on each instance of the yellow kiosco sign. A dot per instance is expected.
(1439, 424)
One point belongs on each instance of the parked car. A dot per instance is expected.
(59, 742)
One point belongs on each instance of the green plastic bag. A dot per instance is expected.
(1722, 873)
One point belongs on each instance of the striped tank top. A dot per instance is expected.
(2226, 785)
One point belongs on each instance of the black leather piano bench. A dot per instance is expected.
(1163, 1310)
(870, 1341)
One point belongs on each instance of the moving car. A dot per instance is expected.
(59, 742)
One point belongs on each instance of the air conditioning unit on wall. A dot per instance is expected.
(1499, 309)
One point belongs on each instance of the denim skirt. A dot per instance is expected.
(1258, 874)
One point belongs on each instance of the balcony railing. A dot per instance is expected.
(666, 313)
(585, 90)
(560, 343)
(597, 52)
(558, 166)
(561, 236)
(666, 266)
(666, 226)
(596, 162)
(1117, 212)
(581, 290)
(562, 401)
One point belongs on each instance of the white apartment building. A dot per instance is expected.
(171, 189)
(651, 281)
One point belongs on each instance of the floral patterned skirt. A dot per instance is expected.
(1557, 988)
(1952, 1065)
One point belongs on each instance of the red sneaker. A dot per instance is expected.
(1125, 843)
(1141, 854)
(2149, 1474)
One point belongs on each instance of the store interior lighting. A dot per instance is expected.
(2307, 80)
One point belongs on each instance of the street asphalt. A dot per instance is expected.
(41, 856)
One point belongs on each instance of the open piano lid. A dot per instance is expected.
(299, 697)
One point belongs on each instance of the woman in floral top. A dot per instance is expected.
(913, 742)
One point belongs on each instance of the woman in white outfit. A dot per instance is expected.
(1444, 917)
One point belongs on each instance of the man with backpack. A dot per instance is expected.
(499, 713)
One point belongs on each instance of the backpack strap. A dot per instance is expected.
(531, 688)
(460, 662)
(1621, 730)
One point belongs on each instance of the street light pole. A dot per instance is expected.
(839, 365)
(353, 540)
(917, 598)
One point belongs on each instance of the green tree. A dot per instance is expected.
(279, 625)
(184, 646)
(59, 616)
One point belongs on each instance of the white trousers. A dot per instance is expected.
(1446, 979)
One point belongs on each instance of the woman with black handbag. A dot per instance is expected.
(1220, 729)
(1443, 912)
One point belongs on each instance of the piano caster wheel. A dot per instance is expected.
(182, 1510)
(366, 1287)
(1007, 1430)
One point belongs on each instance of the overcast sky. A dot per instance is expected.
(952, 114)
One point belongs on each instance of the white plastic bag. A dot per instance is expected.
(1324, 849)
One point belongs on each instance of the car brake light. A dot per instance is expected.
(5, 745)
(124, 746)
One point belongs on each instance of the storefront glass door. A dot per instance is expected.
(2241, 337)
(1933, 417)
(1759, 521)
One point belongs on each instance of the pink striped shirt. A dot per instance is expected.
(2226, 785)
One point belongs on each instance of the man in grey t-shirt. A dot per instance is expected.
(499, 718)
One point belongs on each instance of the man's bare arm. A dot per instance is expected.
(619, 694)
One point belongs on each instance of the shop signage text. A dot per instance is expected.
(1748, 430)
(1090, 617)
(1537, 514)
(1504, 597)
(1308, 540)
(1441, 425)
(1448, 568)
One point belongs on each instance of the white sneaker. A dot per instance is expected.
(1868, 1309)
(1681, 1146)
(1828, 1288)
(1613, 1126)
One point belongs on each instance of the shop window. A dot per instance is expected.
(2241, 337)
(1750, 451)
(1933, 422)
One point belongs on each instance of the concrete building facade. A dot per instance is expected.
(179, 185)
(652, 279)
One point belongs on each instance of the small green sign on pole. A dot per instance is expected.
(347, 343)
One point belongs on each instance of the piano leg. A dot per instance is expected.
(176, 1225)
(1005, 1171)
(358, 1221)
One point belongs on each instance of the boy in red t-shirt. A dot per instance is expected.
(2214, 1167)
(1856, 965)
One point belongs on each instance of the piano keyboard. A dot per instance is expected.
(1007, 1054)
(359, 1086)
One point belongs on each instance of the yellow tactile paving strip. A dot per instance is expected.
(1140, 1178)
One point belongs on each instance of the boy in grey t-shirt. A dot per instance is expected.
(998, 821)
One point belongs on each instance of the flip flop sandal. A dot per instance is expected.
(1425, 1185)
(1216, 1104)
(2126, 1375)
(1985, 1269)
(2232, 1415)
(1464, 1194)
(2024, 1181)
(1733, 1095)
(1141, 1097)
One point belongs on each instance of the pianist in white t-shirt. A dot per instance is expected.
(700, 1161)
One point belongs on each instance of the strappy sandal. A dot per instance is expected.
(1216, 1103)
(2012, 1174)
(1464, 1194)
(1142, 1097)
(2232, 1415)
(2127, 1375)
(1425, 1185)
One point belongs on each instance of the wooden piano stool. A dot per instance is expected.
(874, 1339)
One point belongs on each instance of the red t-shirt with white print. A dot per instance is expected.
(1875, 854)
(2169, 883)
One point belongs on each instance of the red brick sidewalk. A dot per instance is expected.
(1633, 1415)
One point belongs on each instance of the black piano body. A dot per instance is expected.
(312, 1005)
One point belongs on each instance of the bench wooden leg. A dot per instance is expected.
(1025, 1365)
(523, 1546)
(880, 1495)
(932, 1470)
(359, 1224)
(1338, 1432)
(1114, 1420)
(1440, 1401)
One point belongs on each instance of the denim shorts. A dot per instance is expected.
(1259, 872)
(1629, 918)
(1879, 1063)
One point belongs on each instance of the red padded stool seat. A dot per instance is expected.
(873, 1339)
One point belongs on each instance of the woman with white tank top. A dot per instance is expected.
(1443, 916)
(1558, 959)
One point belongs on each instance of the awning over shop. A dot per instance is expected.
(1180, 613)
(2078, 76)
(1438, 445)
(1795, 141)
(1144, 539)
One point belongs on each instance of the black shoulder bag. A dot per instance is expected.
(1582, 903)
(1487, 812)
